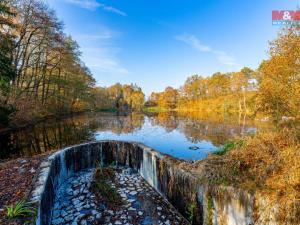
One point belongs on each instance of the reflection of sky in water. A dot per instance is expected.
(173, 143)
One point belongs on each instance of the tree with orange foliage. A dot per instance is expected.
(279, 77)
(168, 99)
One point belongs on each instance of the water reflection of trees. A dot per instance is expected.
(54, 134)
(44, 137)
(120, 124)
(196, 127)
(167, 120)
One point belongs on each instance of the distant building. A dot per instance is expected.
(252, 85)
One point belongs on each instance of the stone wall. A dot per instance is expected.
(213, 205)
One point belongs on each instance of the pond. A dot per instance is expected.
(182, 136)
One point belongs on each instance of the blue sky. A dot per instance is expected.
(160, 43)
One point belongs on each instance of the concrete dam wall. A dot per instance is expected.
(212, 205)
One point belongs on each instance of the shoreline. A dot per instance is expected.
(34, 122)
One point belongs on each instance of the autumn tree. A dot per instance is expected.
(279, 77)
(125, 97)
(137, 100)
(195, 87)
(7, 25)
(168, 99)
(239, 87)
(218, 85)
(153, 99)
(101, 98)
(49, 76)
(128, 91)
(7, 71)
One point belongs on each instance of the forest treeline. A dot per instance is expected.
(121, 97)
(220, 92)
(273, 90)
(41, 72)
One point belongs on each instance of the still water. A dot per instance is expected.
(184, 137)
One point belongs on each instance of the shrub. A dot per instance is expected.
(229, 146)
(20, 209)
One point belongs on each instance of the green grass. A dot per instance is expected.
(210, 209)
(20, 209)
(154, 109)
(229, 146)
(191, 212)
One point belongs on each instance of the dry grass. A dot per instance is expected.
(270, 160)
(269, 164)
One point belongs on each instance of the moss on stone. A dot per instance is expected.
(102, 189)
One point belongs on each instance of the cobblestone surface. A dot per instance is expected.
(75, 204)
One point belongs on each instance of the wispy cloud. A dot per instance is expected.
(114, 10)
(102, 34)
(100, 52)
(93, 5)
(86, 4)
(226, 59)
(194, 42)
(105, 64)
